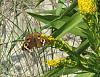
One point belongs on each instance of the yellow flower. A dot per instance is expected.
(50, 38)
(51, 63)
(87, 6)
(58, 60)
(55, 62)
(43, 35)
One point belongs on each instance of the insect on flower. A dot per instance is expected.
(36, 40)
(33, 40)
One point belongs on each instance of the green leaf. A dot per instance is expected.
(43, 18)
(59, 9)
(69, 9)
(67, 70)
(60, 6)
(39, 1)
(74, 20)
(65, 12)
(57, 72)
(85, 44)
(60, 22)
(63, 18)
(47, 19)
(55, 20)
(79, 30)
(52, 72)
(46, 12)
(86, 75)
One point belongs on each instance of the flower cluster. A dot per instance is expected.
(87, 6)
(56, 62)
(61, 62)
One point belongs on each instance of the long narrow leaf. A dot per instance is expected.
(82, 47)
(39, 1)
(75, 19)
(43, 18)
(86, 75)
